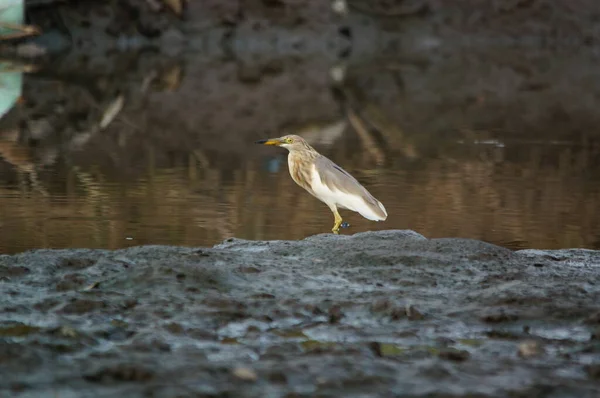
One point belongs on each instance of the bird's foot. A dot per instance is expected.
(337, 226)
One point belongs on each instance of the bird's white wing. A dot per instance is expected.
(346, 190)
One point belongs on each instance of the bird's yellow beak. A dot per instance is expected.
(270, 141)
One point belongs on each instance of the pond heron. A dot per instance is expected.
(327, 181)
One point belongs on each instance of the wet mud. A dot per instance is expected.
(383, 313)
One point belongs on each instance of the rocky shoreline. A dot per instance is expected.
(370, 314)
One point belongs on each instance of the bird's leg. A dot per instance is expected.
(337, 223)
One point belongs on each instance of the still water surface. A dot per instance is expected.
(123, 169)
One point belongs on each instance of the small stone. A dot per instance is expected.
(278, 377)
(249, 74)
(340, 7)
(381, 305)
(502, 335)
(91, 286)
(593, 319)
(67, 331)
(17, 329)
(13, 272)
(175, 328)
(249, 270)
(245, 374)
(529, 349)
(81, 306)
(337, 73)
(335, 314)
(453, 354)
(120, 373)
(499, 317)
(593, 371)
(413, 314)
(266, 296)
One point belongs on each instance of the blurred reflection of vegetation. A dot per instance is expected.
(12, 14)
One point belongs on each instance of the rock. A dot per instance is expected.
(245, 374)
(164, 315)
(593, 319)
(499, 317)
(335, 314)
(10, 272)
(340, 7)
(81, 306)
(530, 348)
(120, 373)
(452, 354)
(593, 371)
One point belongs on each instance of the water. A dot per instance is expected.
(162, 153)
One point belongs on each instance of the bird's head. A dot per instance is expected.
(290, 142)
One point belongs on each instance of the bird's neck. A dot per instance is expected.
(300, 164)
(305, 155)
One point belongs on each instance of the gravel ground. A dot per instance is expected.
(370, 314)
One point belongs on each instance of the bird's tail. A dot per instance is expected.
(382, 210)
(374, 211)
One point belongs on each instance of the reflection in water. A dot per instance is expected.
(152, 162)
(12, 13)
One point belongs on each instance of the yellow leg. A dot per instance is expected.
(337, 223)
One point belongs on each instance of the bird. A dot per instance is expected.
(327, 181)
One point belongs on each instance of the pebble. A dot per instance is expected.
(529, 349)
(245, 374)
(339, 7)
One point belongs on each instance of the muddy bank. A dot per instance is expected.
(135, 24)
(236, 71)
(372, 314)
(169, 107)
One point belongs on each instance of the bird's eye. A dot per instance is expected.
(289, 140)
